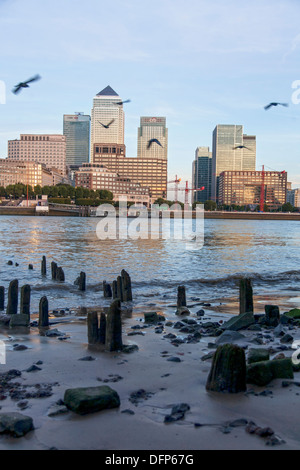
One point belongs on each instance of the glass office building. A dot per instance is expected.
(202, 174)
(76, 129)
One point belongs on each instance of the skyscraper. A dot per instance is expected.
(152, 128)
(107, 119)
(76, 129)
(229, 154)
(202, 174)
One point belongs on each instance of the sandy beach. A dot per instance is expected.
(62, 362)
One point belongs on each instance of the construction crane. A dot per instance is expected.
(176, 181)
(186, 193)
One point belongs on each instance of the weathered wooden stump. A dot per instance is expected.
(272, 315)
(25, 300)
(181, 297)
(82, 281)
(53, 270)
(107, 292)
(228, 370)
(44, 266)
(102, 329)
(12, 299)
(43, 312)
(246, 295)
(126, 286)
(119, 289)
(30, 266)
(92, 327)
(60, 275)
(114, 290)
(2, 297)
(113, 333)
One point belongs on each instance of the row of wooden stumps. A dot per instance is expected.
(23, 317)
(106, 330)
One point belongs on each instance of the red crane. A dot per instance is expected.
(186, 193)
(176, 181)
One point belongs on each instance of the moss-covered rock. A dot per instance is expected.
(294, 313)
(239, 322)
(84, 400)
(261, 373)
(257, 355)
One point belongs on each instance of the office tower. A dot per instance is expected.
(152, 128)
(95, 176)
(49, 149)
(107, 119)
(244, 188)
(202, 174)
(76, 129)
(149, 172)
(229, 154)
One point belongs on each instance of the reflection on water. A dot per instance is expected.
(268, 251)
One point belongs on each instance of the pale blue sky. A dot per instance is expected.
(199, 63)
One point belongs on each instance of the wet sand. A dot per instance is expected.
(165, 383)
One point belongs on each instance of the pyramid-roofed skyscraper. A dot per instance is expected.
(107, 111)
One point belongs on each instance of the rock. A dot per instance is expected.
(229, 336)
(57, 410)
(278, 330)
(30, 266)
(182, 311)
(228, 370)
(20, 347)
(287, 338)
(239, 322)
(200, 313)
(257, 355)
(174, 359)
(86, 400)
(33, 368)
(129, 348)
(294, 313)
(53, 333)
(272, 315)
(246, 296)
(177, 413)
(128, 411)
(261, 373)
(151, 317)
(10, 263)
(86, 358)
(15, 424)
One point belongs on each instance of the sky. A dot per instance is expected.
(199, 63)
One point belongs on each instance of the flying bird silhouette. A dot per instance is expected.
(106, 125)
(240, 147)
(150, 142)
(275, 104)
(21, 85)
(122, 102)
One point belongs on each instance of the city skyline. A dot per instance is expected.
(160, 64)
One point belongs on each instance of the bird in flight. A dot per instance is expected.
(122, 102)
(240, 147)
(275, 104)
(106, 125)
(150, 142)
(20, 85)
